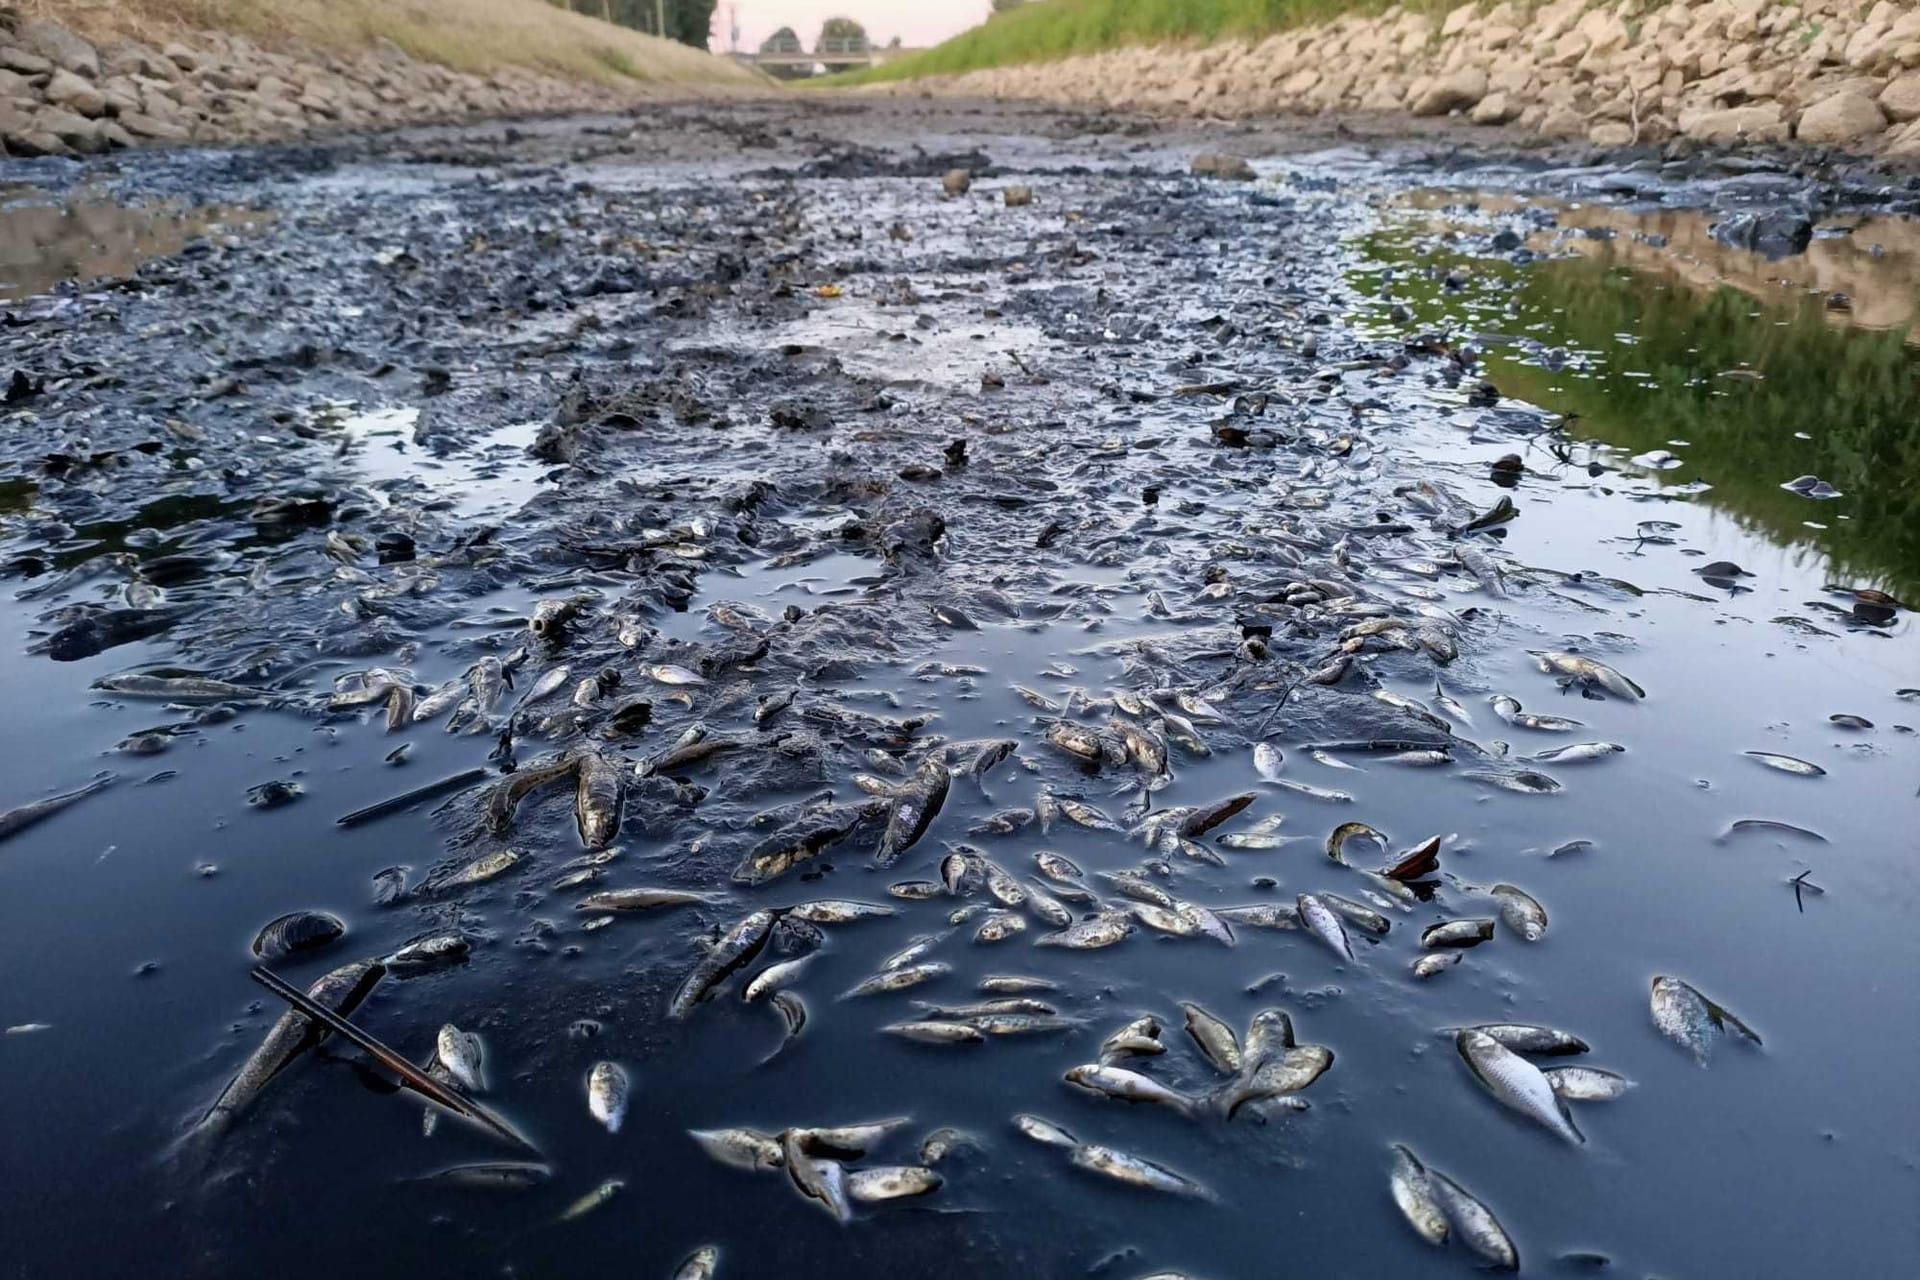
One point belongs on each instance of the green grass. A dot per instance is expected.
(1048, 30)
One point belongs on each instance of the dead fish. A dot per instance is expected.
(1527, 1037)
(1498, 514)
(341, 990)
(1358, 914)
(942, 1143)
(1102, 930)
(504, 800)
(1135, 1171)
(1580, 667)
(949, 616)
(1451, 707)
(1312, 792)
(1324, 924)
(985, 1008)
(776, 977)
(638, 899)
(592, 1200)
(771, 705)
(1433, 962)
(1457, 933)
(493, 1175)
(840, 911)
(1164, 919)
(426, 954)
(1014, 984)
(1128, 1086)
(746, 1149)
(1044, 1131)
(1578, 753)
(1332, 761)
(1508, 709)
(935, 1032)
(898, 979)
(915, 890)
(295, 932)
(1526, 781)
(479, 871)
(1521, 912)
(183, 689)
(14, 821)
(1265, 915)
(793, 1013)
(672, 674)
(1141, 1037)
(1474, 1222)
(1414, 1196)
(1293, 1070)
(1023, 1024)
(1267, 761)
(608, 1089)
(597, 796)
(1088, 816)
(999, 926)
(1750, 825)
(736, 949)
(1515, 1083)
(1049, 909)
(890, 1182)
(702, 1264)
(1058, 869)
(1690, 1019)
(820, 1180)
(463, 1055)
(1350, 831)
(913, 809)
(1586, 1084)
(1786, 764)
(1214, 1038)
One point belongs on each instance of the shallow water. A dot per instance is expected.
(1796, 1156)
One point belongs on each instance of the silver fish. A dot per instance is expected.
(1014, 985)
(777, 977)
(1088, 816)
(597, 795)
(1044, 1131)
(1690, 1019)
(1527, 782)
(1049, 909)
(1135, 1171)
(592, 1200)
(1058, 869)
(493, 1175)
(840, 911)
(1520, 912)
(463, 1056)
(912, 809)
(1474, 1222)
(1586, 1084)
(899, 979)
(1508, 709)
(1515, 1083)
(821, 1180)
(608, 1088)
(747, 1149)
(14, 821)
(1128, 1086)
(1324, 924)
(1787, 764)
(999, 926)
(890, 1182)
(1216, 1041)
(638, 899)
(1578, 753)
(1527, 1037)
(671, 674)
(1267, 761)
(936, 1032)
(1457, 933)
(736, 949)
(480, 870)
(1580, 667)
(702, 1264)
(1265, 915)
(1433, 962)
(1312, 792)
(1293, 1070)
(1102, 930)
(1414, 1195)
(1141, 1037)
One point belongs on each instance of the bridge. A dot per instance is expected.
(792, 62)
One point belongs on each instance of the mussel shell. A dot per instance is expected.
(295, 932)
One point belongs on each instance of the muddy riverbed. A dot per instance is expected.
(874, 524)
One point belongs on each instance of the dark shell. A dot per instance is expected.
(295, 932)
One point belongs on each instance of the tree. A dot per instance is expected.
(1002, 6)
(840, 35)
(785, 40)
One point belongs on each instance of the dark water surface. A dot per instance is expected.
(126, 920)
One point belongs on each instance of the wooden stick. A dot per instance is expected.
(410, 1076)
(394, 804)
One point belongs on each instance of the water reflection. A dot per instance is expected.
(1633, 332)
(89, 236)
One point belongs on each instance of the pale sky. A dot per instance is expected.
(916, 22)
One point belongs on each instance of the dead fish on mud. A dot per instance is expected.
(1135, 1171)
(1516, 1083)
(1521, 912)
(1787, 764)
(735, 950)
(1128, 1086)
(1508, 709)
(1584, 670)
(297, 931)
(912, 809)
(1691, 1020)
(597, 796)
(1435, 1206)
(14, 821)
(608, 1090)
(702, 1264)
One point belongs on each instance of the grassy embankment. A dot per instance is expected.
(476, 36)
(1048, 30)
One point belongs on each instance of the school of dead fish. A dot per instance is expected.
(1123, 742)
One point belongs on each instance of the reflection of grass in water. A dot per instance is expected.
(1855, 392)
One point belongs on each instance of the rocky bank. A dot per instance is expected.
(61, 94)
(1841, 73)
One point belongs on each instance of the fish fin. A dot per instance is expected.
(1725, 1018)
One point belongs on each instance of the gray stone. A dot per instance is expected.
(142, 125)
(76, 131)
(1761, 122)
(68, 90)
(14, 85)
(1495, 108)
(1901, 98)
(60, 46)
(27, 64)
(114, 136)
(1229, 168)
(1456, 92)
(1611, 133)
(34, 142)
(181, 56)
(1844, 117)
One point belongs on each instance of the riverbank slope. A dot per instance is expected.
(80, 76)
(1831, 73)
